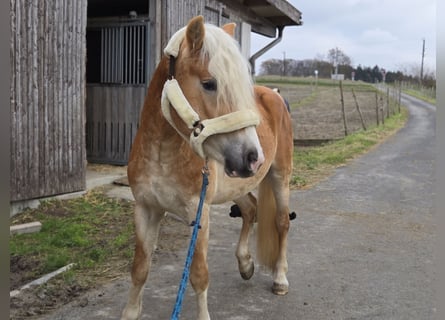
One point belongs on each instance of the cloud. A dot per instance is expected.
(377, 36)
(370, 32)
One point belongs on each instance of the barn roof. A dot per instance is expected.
(264, 15)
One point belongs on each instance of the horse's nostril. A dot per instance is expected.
(244, 164)
(253, 161)
(252, 156)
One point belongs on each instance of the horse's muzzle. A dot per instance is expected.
(244, 166)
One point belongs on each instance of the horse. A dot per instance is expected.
(202, 110)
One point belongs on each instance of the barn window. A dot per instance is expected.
(117, 54)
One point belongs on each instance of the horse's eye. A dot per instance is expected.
(209, 85)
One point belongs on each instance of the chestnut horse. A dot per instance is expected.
(241, 132)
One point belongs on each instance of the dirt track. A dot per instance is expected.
(360, 248)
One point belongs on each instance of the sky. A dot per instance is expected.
(371, 32)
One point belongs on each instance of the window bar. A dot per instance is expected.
(107, 50)
(147, 43)
(119, 64)
(104, 55)
(107, 56)
(137, 53)
(130, 69)
(113, 55)
(125, 60)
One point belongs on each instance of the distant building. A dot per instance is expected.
(338, 76)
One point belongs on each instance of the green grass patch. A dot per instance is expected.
(420, 95)
(310, 81)
(90, 231)
(311, 164)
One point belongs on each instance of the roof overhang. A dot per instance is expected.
(266, 16)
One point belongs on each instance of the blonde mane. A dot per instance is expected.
(229, 67)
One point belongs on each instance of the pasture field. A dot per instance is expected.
(319, 132)
(96, 232)
(317, 109)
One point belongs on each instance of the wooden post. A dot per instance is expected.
(377, 108)
(400, 96)
(393, 95)
(381, 110)
(29, 227)
(343, 109)
(387, 102)
(396, 95)
(358, 109)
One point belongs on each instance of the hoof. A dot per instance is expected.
(235, 211)
(249, 273)
(280, 289)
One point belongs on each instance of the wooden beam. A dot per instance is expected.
(287, 9)
(30, 227)
(259, 25)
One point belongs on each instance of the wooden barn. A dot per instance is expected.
(80, 70)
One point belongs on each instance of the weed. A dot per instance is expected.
(298, 181)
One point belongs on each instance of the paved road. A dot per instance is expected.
(361, 247)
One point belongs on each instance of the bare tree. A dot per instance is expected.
(337, 57)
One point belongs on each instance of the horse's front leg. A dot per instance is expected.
(247, 206)
(147, 222)
(199, 272)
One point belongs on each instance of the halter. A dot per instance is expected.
(172, 95)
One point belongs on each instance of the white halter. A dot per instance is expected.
(173, 95)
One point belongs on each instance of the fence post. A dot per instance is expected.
(381, 110)
(377, 108)
(358, 109)
(387, 102)
(393, 96)
(400, 96)
(343, 109)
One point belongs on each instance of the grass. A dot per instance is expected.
(420, 95)
(312, 164)
(310, 81)
(91, 231)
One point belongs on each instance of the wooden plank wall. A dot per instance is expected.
(47, 97)
(178, 13)
(112, 121)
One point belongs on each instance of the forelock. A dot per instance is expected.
(229, 67)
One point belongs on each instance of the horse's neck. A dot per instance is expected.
(151, 111)
(158, 133)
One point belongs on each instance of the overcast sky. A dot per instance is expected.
(371, 32)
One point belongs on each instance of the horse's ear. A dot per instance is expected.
(230, 28)
(195, 33)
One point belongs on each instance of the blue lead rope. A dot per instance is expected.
(188, 260)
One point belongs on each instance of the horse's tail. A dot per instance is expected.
(267, 250)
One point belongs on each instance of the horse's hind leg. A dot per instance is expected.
(147, 224)
(247, 206)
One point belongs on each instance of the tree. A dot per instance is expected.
(272, 66)
(338, 57)
(324, 68)
(376, 74)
